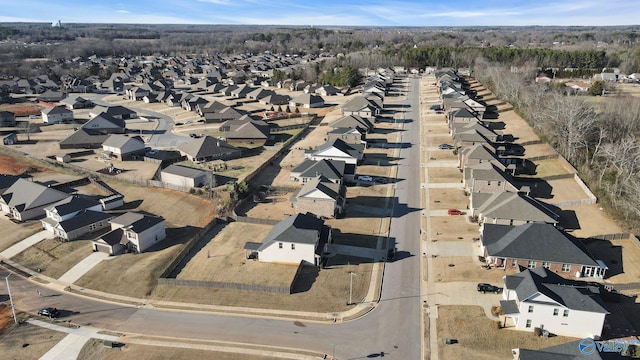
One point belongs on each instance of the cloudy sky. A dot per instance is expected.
(326, 12)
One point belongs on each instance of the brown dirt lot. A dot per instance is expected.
(223, 259)
(451, 228)
(54, 258)
(277, 207)
(448, 198)
(25, 109)
(37, 340)
(517, 127)
(326, 292)
(541, 149)
(550, 167)
(466, 323)
(592, 221)
(14, 165)
(621, 256)
(565, 190)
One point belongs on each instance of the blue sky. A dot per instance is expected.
(327, 12)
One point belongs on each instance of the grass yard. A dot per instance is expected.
(11, 233)
(447, 198)
(452, 228)
(137, 274)
(444, 175)
(194, 210)
(25, 341)
(54, 258)
(223, 259)
(326, 292)
(466, 268)
(550, 167)
(95, 350)
(479, 338)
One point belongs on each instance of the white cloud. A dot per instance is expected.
(124, 11)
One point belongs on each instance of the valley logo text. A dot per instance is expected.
(589, 346)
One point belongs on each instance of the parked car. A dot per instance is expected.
(485, 288)
(380, 180)
(454, 212)
(391, 254)
(179, 124)
(365, 178)
(49, 312)
(445, 147)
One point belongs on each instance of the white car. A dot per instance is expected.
(365, 178)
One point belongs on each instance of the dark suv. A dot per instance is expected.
(49, 312)
(485, 288)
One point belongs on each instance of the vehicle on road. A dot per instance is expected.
(49, 312)
(454, 212)
(488, 288)
(179, 124)
(365, 178)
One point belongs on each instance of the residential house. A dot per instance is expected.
(116, 112)
(56, 115)
(75, 216)
(241, 91)
(337, 150)
(567, 351)
(7, 119)
(461, 115)
(363, 124)
(321, 197)
(26, 200)
(361, 106)
(7, 180)
(348, 135)
(488, 178)
(84, 139)
(327, 90)
(123, 147)
(104, 123)
(76, 102)
(540, 298)
(185, 177)
(535, 245)
(275, 99)
(478, 154)
(207, 148)
(132, 232)
(222, 115)
(307, 101)
(246, 130)
(332, 170)
(300, 238)
(510, 208)
(259, 93)
(51, 96)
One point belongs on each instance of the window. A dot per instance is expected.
(499, 183)
(546, 264)
(566, 267)
(293, 246)
(555, 312)
(131, 235)
(92, 227)
(530, 308)
(514, 262)
(565, 313)
(532, 264)
(279, 245)
(528, 326)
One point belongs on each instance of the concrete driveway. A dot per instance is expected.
(23, 245)
(83, 267)
(463, 293)
(455, 248)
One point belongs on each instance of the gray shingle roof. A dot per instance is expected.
(331, 169)
(24, 195)
(83, 219)
(118, 141)
(353, 150)
(352, 121)
(206, 146)
(137, 222)
(542, 281)
(535, 241)
(321, 183)
(299, 228)
(516, 206)
(72, 204)
(183, 171)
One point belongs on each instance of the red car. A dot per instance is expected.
(454, 212)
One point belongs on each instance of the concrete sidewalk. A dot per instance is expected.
(26, 243)
(69, 347)
(81, 268)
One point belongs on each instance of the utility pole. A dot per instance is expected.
(13, 309)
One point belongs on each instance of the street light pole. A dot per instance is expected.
(13, 309)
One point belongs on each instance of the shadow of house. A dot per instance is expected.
(381, 160)
(568, 220)
(610, 254)
(538, 188)
(624, 317)
(369, 206)
(305, 278)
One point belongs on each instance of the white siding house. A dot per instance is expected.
(132, 231)
(56, 115)
(540, 298)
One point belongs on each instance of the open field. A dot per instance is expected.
(479, 338)
(54, 258)
(25, 341)
(11, 233)
(324, 291)
(95, 350)
(551, 167)
(223, 259)
(137, 274)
